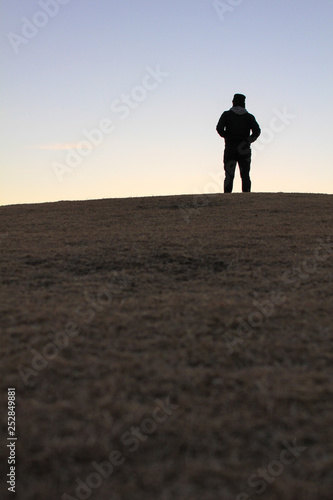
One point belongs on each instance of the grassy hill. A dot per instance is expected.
(173, 347)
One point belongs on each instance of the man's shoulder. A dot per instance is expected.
(252, 117)
(226, 113)
(224, 116)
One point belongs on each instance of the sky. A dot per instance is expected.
(110, 98)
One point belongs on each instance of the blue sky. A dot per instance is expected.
(106, 98)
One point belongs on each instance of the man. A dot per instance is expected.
(239, 129)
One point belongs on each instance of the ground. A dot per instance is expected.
(168, 348)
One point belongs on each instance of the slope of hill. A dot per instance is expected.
(169, 347)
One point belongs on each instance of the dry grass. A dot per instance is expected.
(152, 292)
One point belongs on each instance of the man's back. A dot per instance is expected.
(236, 124)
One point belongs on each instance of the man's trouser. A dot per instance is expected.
(237, 153)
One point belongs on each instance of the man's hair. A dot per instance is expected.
(239, 100)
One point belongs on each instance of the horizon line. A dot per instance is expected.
(167, 196)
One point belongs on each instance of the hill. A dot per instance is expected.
(172, 347)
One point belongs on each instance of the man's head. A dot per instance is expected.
(239, 100)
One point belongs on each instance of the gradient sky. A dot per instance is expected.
(79, 65)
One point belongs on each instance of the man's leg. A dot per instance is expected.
(229, 169)
(244, 162)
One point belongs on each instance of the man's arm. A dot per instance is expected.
(255, 130)
(221, 125)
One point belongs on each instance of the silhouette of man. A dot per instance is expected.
(239, 129)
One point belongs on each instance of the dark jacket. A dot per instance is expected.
(237, 125)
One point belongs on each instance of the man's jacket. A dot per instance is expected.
(237, 125)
